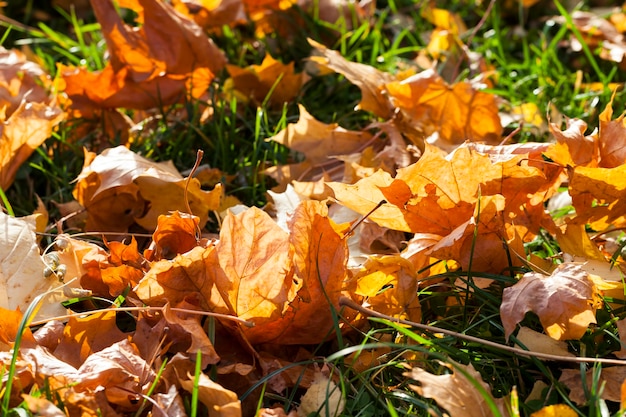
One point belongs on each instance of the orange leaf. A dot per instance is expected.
(255, 277)
(256, 81)
(85, 335)
(117, 184)
(152, 65)
(29, 113)
(370, 80)
(598, 196)
(187, 275)
(565, 302)
(175, 234)
(457, 112)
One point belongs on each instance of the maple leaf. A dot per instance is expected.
(187, 275)
(370, 80)
(257, 81)
(320, 143)
(598, 196)
(28, 114)
(456, 113)
(443, 198)
(458, 392)
(116, 185)
(611, 379)
(181, 334)
(565, 302)
(399, 278)
(253, 247)
(22, 269)
(152, 65)
(86, 335)
(174, 234)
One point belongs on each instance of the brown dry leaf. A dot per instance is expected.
(181, 334)
(611, 379)
(456, 113)
(154, 64)
(256, 81)
(28, 114)
(271, 16)
(565, 302)
(116, 186)
(120, 371)
(456, 391)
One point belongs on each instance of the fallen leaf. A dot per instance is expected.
(22, 269)
(323, 397)
(541, 343)
(370, 80)
(556, 410)
(565, 302)
(175, 234)
(117, 185)
(155, 64)
(457, 392)
(29, 112)
(611, 379)
(219, 401)
(272, 81)
(456, 113)
(187, 275)
(390, 285)
(84, 336)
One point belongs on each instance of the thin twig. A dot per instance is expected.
(152, 308)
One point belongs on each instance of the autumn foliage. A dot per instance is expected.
(177, 311)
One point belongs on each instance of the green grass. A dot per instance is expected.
(529, 68)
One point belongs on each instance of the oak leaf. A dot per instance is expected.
(565, 302)
(116, 186)
(457, 392)
(152, 65)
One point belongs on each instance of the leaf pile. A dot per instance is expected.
(138, 326)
